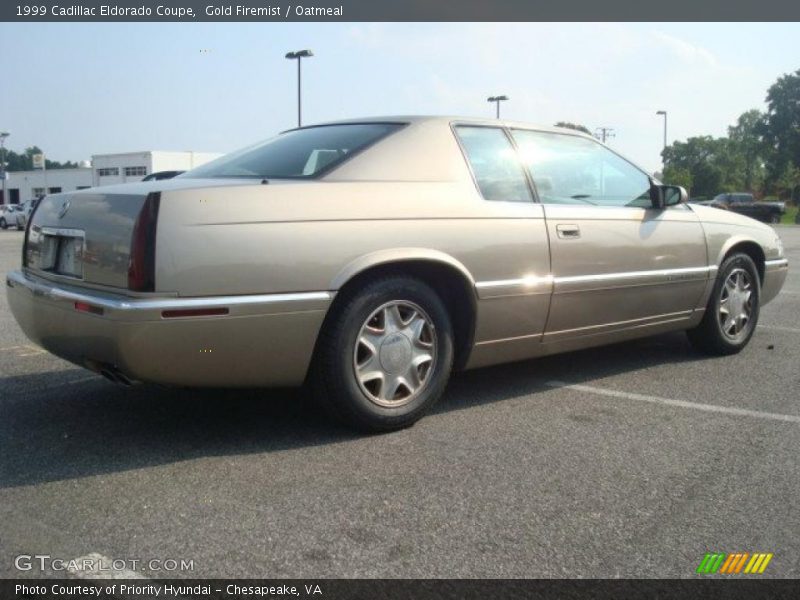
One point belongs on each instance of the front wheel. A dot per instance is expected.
(3, 223)
(732, 311)
(384, 355)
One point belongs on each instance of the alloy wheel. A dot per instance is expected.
(736, 304)
(395, 353)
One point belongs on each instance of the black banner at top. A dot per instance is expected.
(398, 10)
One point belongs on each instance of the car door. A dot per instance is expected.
(510, 260)
(616, 261)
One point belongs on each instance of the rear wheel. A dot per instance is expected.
(385, 354)
(732, 311)
(775, 219)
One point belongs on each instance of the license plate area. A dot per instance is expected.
(62, 251)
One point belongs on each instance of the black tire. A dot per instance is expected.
(775, 219)
(3, 223)
(710, 336)
(334, 381)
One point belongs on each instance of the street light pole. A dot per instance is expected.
(299, 56)
(664, 114)
(3, 136)
(497, 100)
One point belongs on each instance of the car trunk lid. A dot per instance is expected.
(85, 237)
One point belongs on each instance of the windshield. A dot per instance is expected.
(297, 154)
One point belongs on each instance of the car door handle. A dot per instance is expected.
(568, 232)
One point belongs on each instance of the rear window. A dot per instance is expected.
(297, 154)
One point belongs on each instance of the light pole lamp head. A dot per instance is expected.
(662, 112)
(299, 54)
(4, 135)
(496, 98)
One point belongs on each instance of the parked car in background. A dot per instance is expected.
(8, 215)
(746, 204)
(24, 211)
(159, 175)
(370, 258)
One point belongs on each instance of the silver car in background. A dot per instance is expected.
(23, 213)
(8, 215)
(367, 259)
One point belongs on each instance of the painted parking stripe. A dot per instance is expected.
(779, 328)
(97, 566)
(84, 379)
(25, 350)
(728, 410)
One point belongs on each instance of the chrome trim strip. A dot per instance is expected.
(62, 231)
(635, 274)
(533, 280)
(777, 262)
(52, 292)
(529, 281)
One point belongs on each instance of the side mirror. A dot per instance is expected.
(663, 196)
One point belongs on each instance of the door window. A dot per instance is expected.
(569, 169)
(495, 164)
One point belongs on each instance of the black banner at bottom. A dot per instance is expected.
(397, 589)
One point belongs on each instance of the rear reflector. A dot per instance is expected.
(142, 265)
(88, 308)
(194, 312)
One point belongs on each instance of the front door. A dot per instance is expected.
(616, 262)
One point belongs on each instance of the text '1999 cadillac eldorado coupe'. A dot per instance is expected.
(370, 258)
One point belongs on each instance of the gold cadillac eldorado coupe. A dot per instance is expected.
(370, 258)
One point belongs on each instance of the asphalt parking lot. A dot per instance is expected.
(637, 467)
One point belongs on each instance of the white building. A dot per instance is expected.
(105, 169)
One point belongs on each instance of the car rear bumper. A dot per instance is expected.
(260, 340)
(775, 272)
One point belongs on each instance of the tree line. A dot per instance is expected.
(24, 161)
(760, 154)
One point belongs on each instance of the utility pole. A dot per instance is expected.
(604, 133)
(663, 113)
(3, 136)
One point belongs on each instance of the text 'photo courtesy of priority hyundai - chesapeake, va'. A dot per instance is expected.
(399, 301)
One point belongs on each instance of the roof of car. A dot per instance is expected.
(447, 120)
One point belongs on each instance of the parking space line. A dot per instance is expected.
(780, 328)
(728, 410)
(85, 379)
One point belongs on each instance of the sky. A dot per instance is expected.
(81, 89)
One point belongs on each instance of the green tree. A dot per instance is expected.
(747, 144)
(702, 157)
(678, 176)
(24, 161)
(781, 130)
(574, 126)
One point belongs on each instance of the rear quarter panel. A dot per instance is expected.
(313, 236)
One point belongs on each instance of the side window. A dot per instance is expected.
(569, 169)
(494, 163)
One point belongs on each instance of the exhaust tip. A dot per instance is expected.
(114, 375)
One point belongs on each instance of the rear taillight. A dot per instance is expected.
(142, 265)
(27, 233)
